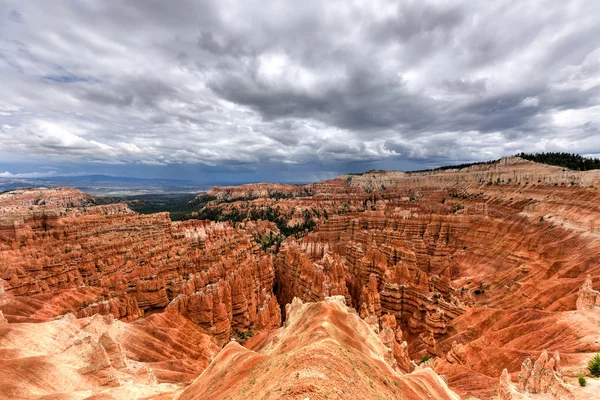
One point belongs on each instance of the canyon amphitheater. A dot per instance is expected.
(473, 283)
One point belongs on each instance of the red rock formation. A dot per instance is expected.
(114, 351)
(100, 356)
(52, 198)
(435, 249)
(3, 298)
(370, 301)
(94, 261)
(384, 275)
(588, 298)
(323, 351)
(544, 376)
(479, 268)
(310, 280)
(390, 335)
(457, 354)
(255, 190)
(506, 390)
(508, 170)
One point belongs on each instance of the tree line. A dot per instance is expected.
(575, 162)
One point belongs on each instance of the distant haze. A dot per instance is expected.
(237, 91)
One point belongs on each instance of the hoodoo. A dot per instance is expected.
(183, 214)
(380, 285)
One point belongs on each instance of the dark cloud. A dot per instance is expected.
(245, 86)
(413, 19)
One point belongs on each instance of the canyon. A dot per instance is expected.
(481, 282)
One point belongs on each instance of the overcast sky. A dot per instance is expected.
(292, 90)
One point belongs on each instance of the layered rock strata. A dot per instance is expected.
(588, 298)
(323, 351)
(477, 268)
(97, 262)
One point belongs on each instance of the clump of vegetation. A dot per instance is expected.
(565, 160)
(541, 219)
(457, 166)
(482, 289)
(582, 380)
(270, 240)
(242, 335)
(594, 365)
(456, 208)
(272, 214)
(371, 171)
(425, 358)
(179, 206)
(461, 195)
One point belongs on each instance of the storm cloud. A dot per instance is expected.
(248, 86)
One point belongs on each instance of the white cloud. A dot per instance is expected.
(530, 102)
(576, 118)
(230, 84)
(7, 174)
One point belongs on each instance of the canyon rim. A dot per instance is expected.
(478, 282)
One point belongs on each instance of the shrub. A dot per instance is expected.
(594, 365)
(425, 358)
(582, 381)
(456, 208)
(481, 289)
(241, 335)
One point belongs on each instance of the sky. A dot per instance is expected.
(291, 91)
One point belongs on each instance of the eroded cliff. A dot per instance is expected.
(477, 269)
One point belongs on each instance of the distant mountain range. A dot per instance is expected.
(105, 185)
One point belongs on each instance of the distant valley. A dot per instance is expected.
(105, 185)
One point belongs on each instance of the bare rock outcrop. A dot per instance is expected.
(370, 300)
(114, 351)
(226, 298)
(89, 259)
(125, 308)
(68, 356)
(476, 266)
(506, 390)
(384, 258)
(287, 365)
(390, 335)
(457, 354)
(97, 359)
(544, 376)
(588, 298)
(308, 279)
(3, 298)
